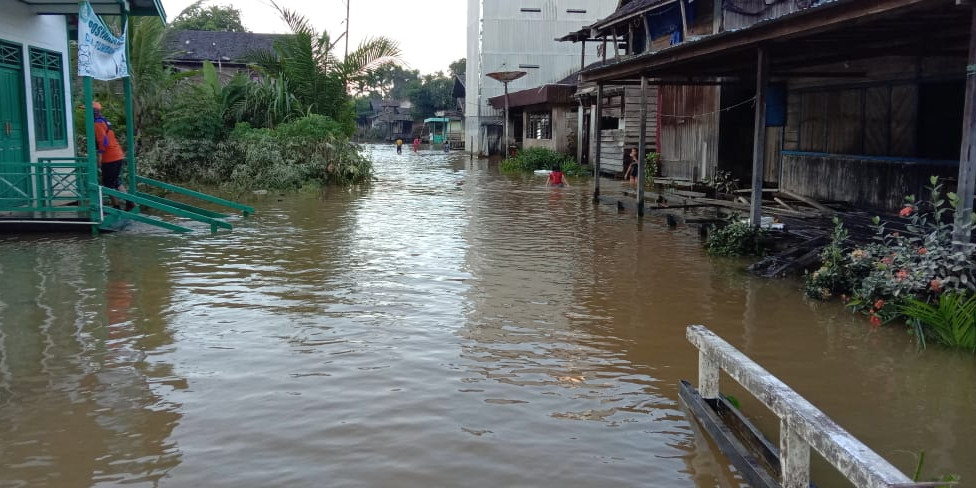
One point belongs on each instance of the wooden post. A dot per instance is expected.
(582, 58)
(580, 118)
(759, 140)
(642, 147)
(684, 21)
(616, 44)
(596, 140)
(708, 374)
(962, 230)
(647, 34)
(794, 457)
(630, 39)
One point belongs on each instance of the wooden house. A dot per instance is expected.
(227, 51)
(391, 119)
(842, 100)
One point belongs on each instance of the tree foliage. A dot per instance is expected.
(218, 18)
(458, 68)
(315, 75)
(433, 93)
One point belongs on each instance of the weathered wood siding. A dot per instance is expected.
(631, 120)
(612, 151)
(734, 20)
(689, 131)
(863, 182)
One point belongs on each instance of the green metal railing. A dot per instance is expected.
(51, 185)
(66, 189)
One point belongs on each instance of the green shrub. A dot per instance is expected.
(652, 160)
(312, 127)
(735, 239)
(835, 276)
(195, 114)
(303, 153)
(951, 321)
(539, 158)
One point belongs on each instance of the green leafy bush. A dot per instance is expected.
(915, 275)
(652, 161)
(539, 158)
(735, 239)
(290, 157)
(311, 128)
(195, 114)
(835, 275)
(951, 320)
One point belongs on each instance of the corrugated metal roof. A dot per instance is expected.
(546, 94)
(192, 45)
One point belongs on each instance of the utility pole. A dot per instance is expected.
(347, 29)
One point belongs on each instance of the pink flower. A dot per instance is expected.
(879, 304)
(875, 321)
(935, 285)
(901, 275)
(922, 250)
(895, 234)
(906, 211)
(888, 260)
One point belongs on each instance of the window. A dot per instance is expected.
(47, 92)
(528, 66)
(530, 9)
(540, 126)
(576, 11)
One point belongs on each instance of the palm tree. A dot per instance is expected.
(319, 79)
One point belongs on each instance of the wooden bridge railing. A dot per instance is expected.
(802, 425)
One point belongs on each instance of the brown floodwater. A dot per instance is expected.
(447, 326)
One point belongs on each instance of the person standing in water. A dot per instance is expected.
(631, 172)
(416, 144)
(399, 145)
(556, 178)
(111, 158)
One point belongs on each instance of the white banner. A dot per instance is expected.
(101, 55)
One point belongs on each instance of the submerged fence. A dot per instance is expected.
(802, 425)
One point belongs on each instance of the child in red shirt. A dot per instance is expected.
(556, 177)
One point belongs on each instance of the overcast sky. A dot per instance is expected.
(431, 33)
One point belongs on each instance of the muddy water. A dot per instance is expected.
(446, 327)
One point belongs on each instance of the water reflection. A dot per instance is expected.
(444, 326)
(80, 403)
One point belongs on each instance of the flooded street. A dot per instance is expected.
(448, 326)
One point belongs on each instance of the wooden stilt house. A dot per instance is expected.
(842, 100)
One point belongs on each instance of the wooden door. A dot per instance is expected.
(14, 176)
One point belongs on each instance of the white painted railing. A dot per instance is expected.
(802, 425)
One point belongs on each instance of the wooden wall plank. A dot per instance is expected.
(877, 101)
(813, 113)
(867, 183)
(904, 110)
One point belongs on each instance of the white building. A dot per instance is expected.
(35, 92)
(519, 35)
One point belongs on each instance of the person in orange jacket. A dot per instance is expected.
(111, 158)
